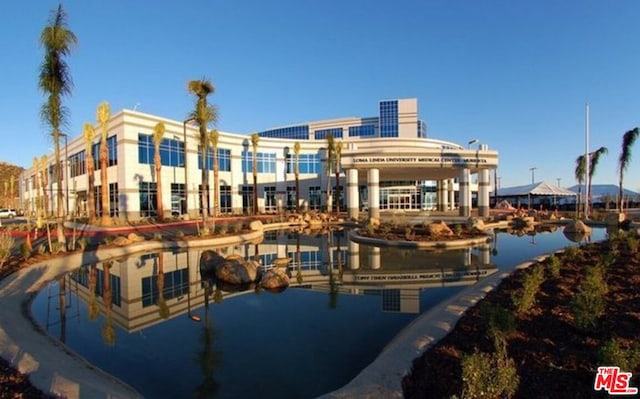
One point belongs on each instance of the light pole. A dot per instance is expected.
(470, 143)
(532, 169)
(186, 174)
(558, 180)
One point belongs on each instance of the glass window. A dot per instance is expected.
(78, 164)
(224, 159)
(112, 153)
(171, 151)
(362, 131)
(148, 194)
(322, 134)
(389, 118)
(307, 163)
(266, 162)
(300, 132)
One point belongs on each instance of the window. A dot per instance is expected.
(114, 210)
(224, 159)
(322, 134)
(171, 151)
(315, 197)
(148, 194)
(389, 118)
(266, 162)
(78, 163)
(176, 284)
(307, 163)
(291, 197)
(247, 199)
(270, 199)
(225, 199)
(362, 131)
(300, 132)
(112, 152)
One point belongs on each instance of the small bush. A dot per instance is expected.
(41, 249)
(222, 228)
(489, 375)
(457, 228)
(180, 234)
(236, 227)
(530, 287)
(82, 243)
(157, 236)
(572, 253)
(25, 252)
(108, 240)
(500, 320)
(553, 266)
(612, 353)
(588, 304)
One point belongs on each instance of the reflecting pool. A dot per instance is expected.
(154, 321)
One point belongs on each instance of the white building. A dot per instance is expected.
(387, 162)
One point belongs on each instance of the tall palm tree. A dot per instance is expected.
(89, 134)
(55, 82)
(203, 114)
(214, 137)
(625, 157)
(338, 155)
(580, 174)
(36, 178)
(163, 309)
(255, 139)
(594, 159)
(103, 114)
(158, 133)
(108, 330)
(12, 182)
(94, 309)
(296, 153)
(331, 151)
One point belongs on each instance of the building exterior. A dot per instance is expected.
(387, 162)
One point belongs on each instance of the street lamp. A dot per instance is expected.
(186, 174)
(470, 143)
(558, 180)
(532, 169)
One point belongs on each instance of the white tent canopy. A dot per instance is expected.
(541, 188)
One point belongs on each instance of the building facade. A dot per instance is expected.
(385, 163)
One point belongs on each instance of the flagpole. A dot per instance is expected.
(587, 161)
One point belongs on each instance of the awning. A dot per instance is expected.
(541, 188)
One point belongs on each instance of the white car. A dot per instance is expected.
(7, 213)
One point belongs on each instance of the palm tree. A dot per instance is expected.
(108, 330)
(158, 133)
(625, 157)
(89, 135)
(338, 154)
(163, 309)
(55, 82)
(214, 137)
(594, 159)
(580, 173)
(331, 151)
(255, 138)
(103, 114)
(296, 153)
(12, 182)
(203, 114)
(44, 178)
(94, 309)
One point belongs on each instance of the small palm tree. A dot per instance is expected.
(255, 139)
(55, 82)
(103, 114)
(625, 157)
(214, 137)
(158, 133)
(89, 134)
(203, 114)
(594, 159)
(296, 153)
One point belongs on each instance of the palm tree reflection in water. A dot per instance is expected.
(208, 358)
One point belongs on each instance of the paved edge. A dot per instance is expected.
(383, 377)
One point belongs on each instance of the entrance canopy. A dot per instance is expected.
(541, 188)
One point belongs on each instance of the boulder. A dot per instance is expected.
(577, 226)
(375, 222)
(210, 261)
(236, 272)
(615, 218)
(281, 262)
(121, 241)
(275, 279)
(439, 229)
(133, 237)
(476, 224)
(256, 225)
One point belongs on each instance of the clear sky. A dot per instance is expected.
(515, 75)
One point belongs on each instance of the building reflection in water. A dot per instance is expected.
(142, 290)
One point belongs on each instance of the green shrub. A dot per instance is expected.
(25, 252)
(235, 227)
(500, 320)
(82, 243)
(612, 353)
(588, 304)
(108, 240)
(531, 281)
(157, 236)
(180, 234)
(457, 228)
(553, 266)
(6, 245)
(572, 253)
(41, 249)
(489, 375)
(222, 228)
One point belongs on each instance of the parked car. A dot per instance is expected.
(7, 213)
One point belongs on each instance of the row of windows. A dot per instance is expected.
(389, 118)
(266, 162)
(322, 134)
(171, 151)
(307, 163)
(300, 132)
(362, 131)
(224, 159)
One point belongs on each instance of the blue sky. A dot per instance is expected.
(515, 75)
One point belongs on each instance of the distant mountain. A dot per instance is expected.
(8, 199)
(612, 190)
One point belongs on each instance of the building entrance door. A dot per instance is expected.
(400, 201)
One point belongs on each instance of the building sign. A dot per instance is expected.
(427, 160)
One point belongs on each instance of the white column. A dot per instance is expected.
(373, 183)
(374, 258)
(353, 199)
(465, 192)
(354, 255)
(483, 192)
(452, 195)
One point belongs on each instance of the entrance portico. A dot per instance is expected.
(380, 161)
